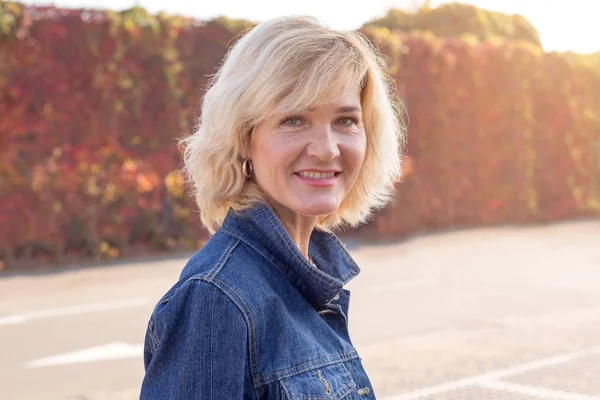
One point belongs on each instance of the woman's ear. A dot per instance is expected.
(246, 151)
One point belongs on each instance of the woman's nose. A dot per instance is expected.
(323, 144)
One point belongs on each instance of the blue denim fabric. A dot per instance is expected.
(251, 318)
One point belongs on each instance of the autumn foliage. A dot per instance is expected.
(499, 132)
(456, 19)
(92, 104)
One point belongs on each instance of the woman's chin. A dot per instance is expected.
(318, 209)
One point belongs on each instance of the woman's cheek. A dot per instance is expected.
(357, 147)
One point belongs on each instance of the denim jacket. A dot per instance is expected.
(251, 318)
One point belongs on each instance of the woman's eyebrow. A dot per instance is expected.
(338, 110)
(344, 109)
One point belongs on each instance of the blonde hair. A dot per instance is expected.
(287, 65)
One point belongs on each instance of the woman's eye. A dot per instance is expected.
(347, 121)
(292, 121)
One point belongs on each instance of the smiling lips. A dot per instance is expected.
(317, 175)
(318, 178)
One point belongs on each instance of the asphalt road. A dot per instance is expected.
(501, 313)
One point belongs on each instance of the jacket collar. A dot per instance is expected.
(262, 230)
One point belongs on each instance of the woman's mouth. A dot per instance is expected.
(317, 175)
(318, 178)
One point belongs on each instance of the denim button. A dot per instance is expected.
(363, 391)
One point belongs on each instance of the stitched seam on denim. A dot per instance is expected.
(212, 329)
(222, 260)
(327, 235)
(219, 261)
(166, 299)
(201, 276)
(353, 372)
(288, 395)
(347, 388)
(355, 375)
(344, 390)
(245, 309)
(312, 364)
(205, 275)
(247, 316)
(332, 239)
(333, 357)
(346, 276)
(344, 252)
(309, 365)
(291, 388)
(282, 270)
(294, 250)
(352, 272)
(258, 392)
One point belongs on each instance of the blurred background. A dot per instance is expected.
(480, 281)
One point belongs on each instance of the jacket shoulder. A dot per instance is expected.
(238, 271)
(201, 267)
(213, 255)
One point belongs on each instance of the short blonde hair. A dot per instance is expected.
(285, 65)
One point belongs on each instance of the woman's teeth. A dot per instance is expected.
(317, 175)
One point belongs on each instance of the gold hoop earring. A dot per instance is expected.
(247, 168)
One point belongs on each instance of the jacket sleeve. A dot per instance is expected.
(196, 347)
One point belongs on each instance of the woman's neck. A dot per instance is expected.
(299, 227)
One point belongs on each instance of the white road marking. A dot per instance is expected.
(110, 351)
(13, 320)
(476, 380)
(536, 392)
(74, 310)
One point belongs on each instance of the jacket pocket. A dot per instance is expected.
(331, 382)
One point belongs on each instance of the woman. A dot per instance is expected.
(297, 136)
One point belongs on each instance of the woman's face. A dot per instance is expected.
(306, 163)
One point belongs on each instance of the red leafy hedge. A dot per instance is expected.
(499, 132)
(91, 104)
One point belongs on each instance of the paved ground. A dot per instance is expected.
(503, 313)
